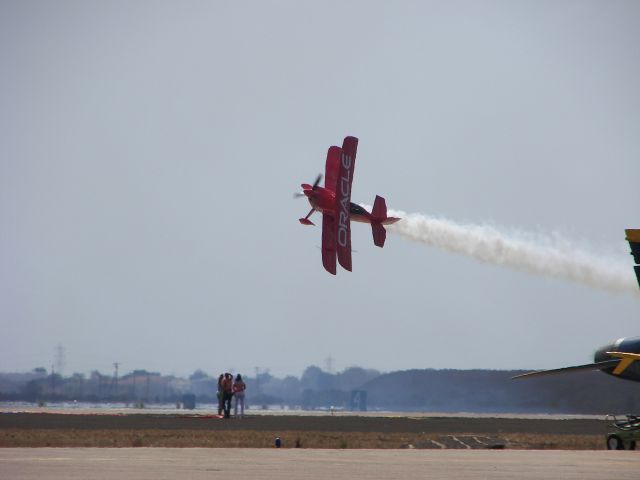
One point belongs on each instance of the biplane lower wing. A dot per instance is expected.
(329, 243)
(332, 170)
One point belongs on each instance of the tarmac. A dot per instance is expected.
(346, 423)
(89, 409)
(309, 464)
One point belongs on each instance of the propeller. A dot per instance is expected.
(306, 186)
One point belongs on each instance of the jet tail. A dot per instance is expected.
(633, 237)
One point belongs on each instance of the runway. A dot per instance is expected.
(283, 464)
(75, 430)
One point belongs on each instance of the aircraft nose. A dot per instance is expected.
(601, 353)
(625, 344)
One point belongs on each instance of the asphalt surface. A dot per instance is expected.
(444, 425)
(284, 464)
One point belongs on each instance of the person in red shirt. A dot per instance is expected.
(227, 393)
(219, 394)
(238, 391)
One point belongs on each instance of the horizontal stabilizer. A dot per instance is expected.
(577, 368)
(379, 234)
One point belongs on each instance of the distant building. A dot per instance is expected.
(358, 401)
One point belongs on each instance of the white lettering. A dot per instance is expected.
(344, 203)
(344, 186)
(345, 194)
(342, 237)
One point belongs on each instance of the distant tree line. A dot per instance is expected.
(137, 386)
(493, 391)
(410, 390)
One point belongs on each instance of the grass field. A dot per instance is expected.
(290, 439)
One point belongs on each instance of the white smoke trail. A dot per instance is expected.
(553, 257)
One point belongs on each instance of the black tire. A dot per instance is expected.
(614, 442)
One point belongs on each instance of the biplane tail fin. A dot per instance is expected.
(633, 237)
(379, 210)
(378, 219)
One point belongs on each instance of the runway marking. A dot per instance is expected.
(36, 459)
(55, 459)
(456, 439)
(438, 444)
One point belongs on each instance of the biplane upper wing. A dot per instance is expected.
(329, 253)
(343, 200)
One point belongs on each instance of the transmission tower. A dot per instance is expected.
(115, 376)
(328, 362)
(59, 360)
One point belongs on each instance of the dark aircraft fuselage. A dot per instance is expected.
(627, 345)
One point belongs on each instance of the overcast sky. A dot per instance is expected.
(149, 151)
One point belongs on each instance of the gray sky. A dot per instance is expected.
(149, 151)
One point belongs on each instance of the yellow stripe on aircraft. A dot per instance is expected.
(626, 360)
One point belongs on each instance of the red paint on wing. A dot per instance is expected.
(331, 168)
(329, 243)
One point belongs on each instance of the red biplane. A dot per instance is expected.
(334, 202)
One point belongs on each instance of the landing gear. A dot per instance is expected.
(623, 432)
(614, 443)
(305, 220)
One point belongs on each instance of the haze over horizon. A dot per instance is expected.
(149, 152)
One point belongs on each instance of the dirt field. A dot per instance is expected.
(260, 431)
